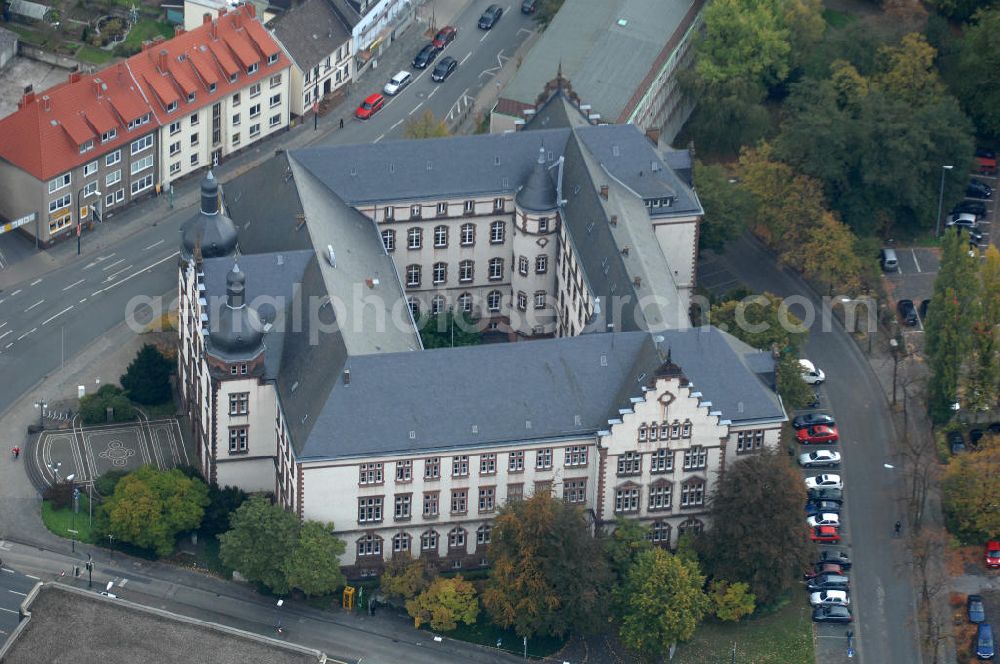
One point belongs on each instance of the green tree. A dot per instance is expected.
(406, 577)
(150, 507)
(260, 537)
(727, 206)
(794, 391)
(444, 604)
(445, 330)
(744, 40)
(548, 574)
(730, 114)
(426, 126)
(93, 407)
(970, 484)
(313, 564)
(977, 79)
(147, 379)
(624, 544)
(761, 321)
(732, 601)
(663, 602)
(222, 502)
(961, 10)
(758, 503)
(829, 257)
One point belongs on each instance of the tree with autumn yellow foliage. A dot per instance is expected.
(426, 126)
(444, 604)
(971, 484)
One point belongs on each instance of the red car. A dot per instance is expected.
(821, 434)
(993, 555)
(444, 36)
(825, 534)
(370, 106)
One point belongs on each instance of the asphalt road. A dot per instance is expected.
(14, 586)
(882, 597)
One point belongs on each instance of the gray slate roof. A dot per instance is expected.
(605, 61)
(432, 400)
(310, 32)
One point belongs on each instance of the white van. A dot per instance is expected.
(810, 373)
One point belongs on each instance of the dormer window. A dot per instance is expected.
(271, 59)
(171, 107)
(190, 97)
(232, 79)
(88, 146)
(252, 69)
(211, 88)
(109, 135)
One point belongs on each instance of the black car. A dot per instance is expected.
(809, 419)
(975, 435)
(490, 17)
(975, 189)
(907, 312)
(974, 607)
(836, 495)
(443, 69)
(832, 614)
(828, 582)
(529, 6)
(956, 442)
(425, 56)
(832, 556)
(924, 305)
(970, 207)
(822, 507)
(975, 235)
(994, 427)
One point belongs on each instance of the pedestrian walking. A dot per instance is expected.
(341, 123)
(899, 527)
(16, 451)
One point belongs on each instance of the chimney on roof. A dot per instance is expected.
(604, 191)
(29, 96)
(178, 30)
(120, 68)
(251, 10)
(206, 18)
(99, 87)
(214, 30)
(46, 103)
(161, 61)
(236, 20)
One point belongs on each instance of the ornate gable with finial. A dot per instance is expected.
(668, 369)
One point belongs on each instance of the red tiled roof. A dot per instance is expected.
(162, 87)
(204, 65)
(43, 137)
(261, 39)
(242, 48)
(181, 71)
(224, 58)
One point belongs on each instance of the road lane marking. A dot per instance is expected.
(433, 92)
(111, 277)
(379, 138)
(915, 261)
(416, 108)
(3, 324)
(467, 56)
(82, 301)
(74, 284)
(17, 593)
(8, 610)
(49, 320)
(8, 345)
(35, 282)
(155, 244)
(32, 577)
(34, 329)
(15, 292)
(487, 34)
(33, 306)
(6, 333)
(137, 273)
(108, 267)
(399, 122)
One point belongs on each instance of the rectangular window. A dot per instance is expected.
(141, 144)
(540, 297)
(194, 140)
(541, 264)
(522, 265)
(429, 541)
(113, 178)
(404, 471)
(175, 128)
(432, 468)
(239, 403)
(629, 463)
(175, 168)
(252, 69)
(515, 492)
(274, 120)
(459, 501)
(90, 189)
(575, 490)
(175, 148)
(498, 205)
(543, 224)
(414, 238)
(58, 183)
(431, 504)
(271, 59)
(389, 240)
(576, 456)
(442, 209)
(402, 506)
(109, 135)
(142, 164)
(660, 496)
(515, 462)
(194, 159)
(695, 458)
(142, 184)
(627, 500)
(416, 212)
(236, 139)
(460, 466)
(275, 100)
(470, 207)
(255, 111)
(661, 461)
(113, 158)
(255, 130)
(370, 509)
(116, 197)
(90, 169)
(254, 90)
(488, 464)
(237, 440)
(236, 100)
(87, 147)
(191, 97)
(389, 213)
(693, 494)
(543, 459)
(60, 203)
(370, 473)
(487, 499)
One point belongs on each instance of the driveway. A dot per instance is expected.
(882, 595)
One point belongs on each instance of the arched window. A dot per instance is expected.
(389, 240)
(400, 542)
(659, 532)
(493, 300)
(414, 305)
(412, 276)
(660, 496)
(456, 538)
(484, 534)
(437, 304)
(466, 271)
(693, 526)
(429, 541)
(369, 545)
(465, 302)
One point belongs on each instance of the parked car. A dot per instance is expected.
(810, 373)
(888, 259)
(828, 582)
(825, 493)
(924, 306)
(425, 56)
(830, 598)
(993, 554)
(907, 312)
(977, 208)
(825, 568)
(397, 83)
(975, 435)
(529, 6)
(975, 235)
(832, 614)
(986, 160)
(820, 459)
(490, 17)
(994, 427)
(370, 106)
(810, 419)
(984, 642)
(978, 189)
(825, 535)
(833, 556)
(824, 481)
(975, 608)
(956, 442)
(444, 36)
(964, 219)
(823, 519)
(820, 434)
(444, 69)
(821, 506)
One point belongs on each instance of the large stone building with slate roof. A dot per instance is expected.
(304, 374)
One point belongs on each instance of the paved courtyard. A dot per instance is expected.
(89, 452)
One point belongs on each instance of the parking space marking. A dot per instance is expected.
(34, 305)
(915, 261)
(416, 108)
(77, 283)
(467, 56)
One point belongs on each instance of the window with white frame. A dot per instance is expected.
(456, 538)
(113, 178)
(465, 271)
(275, 100)
(629, 463)
(661, 461)
(460, 465)
(498, 232)
(660, 496)
(496, 269)
(175, 148)
(114, 198)
(440, 237)
(90, 189)
(465, 302)
(412, 276)
(236, 100)
(498, 205)
(659, 532)
(90, 169)
(194, 159)
(488, 463)
(191, 97)
(541, 264)
(389, 240)
(401, 506)
(252, 69)
(692, 526)
(543, 459)
(112, 158)
(540, 297)
(442, 209)
(515, 461)
(58, 183)
(109, 135)
(414, 238)
(60, 203)
(255, 111)
(141, 144)
(431, 504)
(440, 273)
(255, 130)
(522, 300)
(575, 490)
(693, 493)
(254, 90)
(429, 541)
(627, 499)
(416, 211)
(468, 235)
(238, 439)
(400, 542)
(237, 118)
(487, 499)
(749, 441)
(484, 534)
(140, 165)
(469, 207)
(87, 146)
(414, 306)
(142, 184)
(493, 300)
(369, 545)
(388, 213)
(576, 456)
(695, 458)
(543, 225)
(239, 403)
(370, 509)
(370, 473)
(275, 80)
(437, 304)
(459, 501)
(271, 59)
(274, 120)
(686, 429)
(522, 265)
(404, 470)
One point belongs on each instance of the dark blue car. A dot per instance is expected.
(975, 609)
(984, 642)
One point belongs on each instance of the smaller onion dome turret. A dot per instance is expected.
(539, 193)
(209, 230)
(237, 333)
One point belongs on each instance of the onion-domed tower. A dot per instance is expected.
(209, 231)
(535, 244)
(235, 344)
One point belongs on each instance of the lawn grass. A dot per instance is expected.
(836, 19)
(147, 29)
(27, 34)
(159, 411)
(61, 521)
(782, 637)
(95, 56)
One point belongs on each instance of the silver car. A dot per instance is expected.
(397, 83)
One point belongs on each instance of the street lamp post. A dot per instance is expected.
(277, 615)
(54, 467)
(41, 405)
(895, 364)
(944, 169)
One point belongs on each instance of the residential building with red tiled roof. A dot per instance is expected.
(85, 145)
(214, 90)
